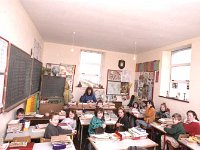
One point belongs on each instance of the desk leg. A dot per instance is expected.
(164, 142)
(81, 136)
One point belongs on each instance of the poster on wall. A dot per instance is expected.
(68, 71)
(145, 85)
(113, 88)
(114, 75)
(63, 70)
(125, 77)
(124, 88)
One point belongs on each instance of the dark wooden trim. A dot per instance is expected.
(172, 98)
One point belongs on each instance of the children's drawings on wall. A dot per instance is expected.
(113, 88)
(114, 75)
(145, 85)
(125, 76)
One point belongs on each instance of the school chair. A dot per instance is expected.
(168, 143)
(22, 139)
(180, 136)
(42, 140)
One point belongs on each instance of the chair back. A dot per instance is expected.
(22, 139)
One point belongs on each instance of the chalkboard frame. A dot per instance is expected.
(29, 92)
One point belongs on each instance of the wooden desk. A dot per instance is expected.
(185, 143)
(84, 121)
(159, 128)
(48, 146)
(43, 120)
(34, 135)
(107, 144)
(90, 106)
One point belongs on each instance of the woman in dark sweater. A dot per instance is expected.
(122, 123)
(53, 129)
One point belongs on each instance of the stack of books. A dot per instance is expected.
(14, 126)
(60, 142)
(138, 132)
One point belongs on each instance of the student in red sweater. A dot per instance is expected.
(192, 124)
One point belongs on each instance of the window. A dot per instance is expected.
(90, 68)
(180, 74)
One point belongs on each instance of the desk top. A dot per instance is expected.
(90, 106)
(29, 132)
(48, 146)
(193, 146)
(106, 144)
(158, 127)
(85, 119)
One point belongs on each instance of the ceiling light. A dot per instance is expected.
(72, 49)
(134, 54)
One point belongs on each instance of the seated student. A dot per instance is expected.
(135, 108)
(20, 115)
(143, 105)
(173, 132)
(130, 104)
(88, 96)
(149, 115)
(99, 104)
(192, 124)
(122, 123)
(53, 129)
(70, 119)
(97, 121)
(164, 111)
(134, 111)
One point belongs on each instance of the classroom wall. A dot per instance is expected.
(17, 28)
(58, 53)
(177, 106)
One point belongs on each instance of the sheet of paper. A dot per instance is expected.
(1, 90)
(3, 55)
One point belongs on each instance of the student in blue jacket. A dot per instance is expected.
(88, 96)
(97, 121)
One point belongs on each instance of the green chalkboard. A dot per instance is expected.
(36, 75)
(19, 76)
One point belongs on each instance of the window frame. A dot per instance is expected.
(100, 65)
(187, 82)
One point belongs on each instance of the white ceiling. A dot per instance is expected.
(116, 24)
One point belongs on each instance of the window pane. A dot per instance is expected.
(90, 69)
(182, 56)
(179, 90)
(90, 57)
(89, 80)
(180, 73)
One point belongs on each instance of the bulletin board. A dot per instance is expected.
(117, 82)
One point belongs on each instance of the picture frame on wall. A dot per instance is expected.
(55, 69)
(124, 88)
(114, 75)
(113, 88)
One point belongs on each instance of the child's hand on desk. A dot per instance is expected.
(104, 125)
(74, 131)
(118, 124)
(168, 126)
